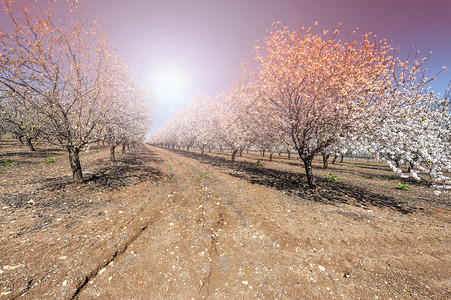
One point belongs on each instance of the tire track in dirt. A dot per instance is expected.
(211, 219)
(117, 253)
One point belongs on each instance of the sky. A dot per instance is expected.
(181, 47)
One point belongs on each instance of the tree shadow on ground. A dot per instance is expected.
(327, 192)
(39, 153)
(131, 169)
(61, 193)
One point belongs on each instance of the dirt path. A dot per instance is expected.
(223, 238)
(195, 231)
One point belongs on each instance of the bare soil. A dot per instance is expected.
(173, 225)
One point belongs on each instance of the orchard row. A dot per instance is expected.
(61, 81)
(313, 94)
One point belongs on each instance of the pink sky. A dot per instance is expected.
(205, 41)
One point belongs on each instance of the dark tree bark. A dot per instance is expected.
(234, 152)
(30, 145)
(309, 172)
(270, 156)
(341, 159)
(113, 155)
(202, 150)
(75, 164)
(335, 159)
(241, 152)
(289, 154)
(325, 160)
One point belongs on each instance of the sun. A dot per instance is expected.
(171, 82)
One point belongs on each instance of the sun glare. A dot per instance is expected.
(171, 82)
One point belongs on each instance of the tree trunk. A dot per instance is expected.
(187, 148)
(309, 172)
(341, 159)
(397, 163)
(263, 152)
(334, 160)
(123, 148)
(30, 145)
(20, 139)
(325, 160)
(75, 165)
(241, 152)
(113, 155)
(280, 153)
(202, 151)
(289, 154)
(270, 156)
(234, 152)
(410, 167)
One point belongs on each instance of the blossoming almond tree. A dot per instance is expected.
(22, 121)
(235, 127)
(320, 87)
(202, 109)
(418, 134)
(58, 69)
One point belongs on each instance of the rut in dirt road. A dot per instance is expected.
(108, 261)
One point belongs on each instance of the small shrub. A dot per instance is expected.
(9, 164)
(3, 172)
(402, 187)
(332, 177)
(258, 163)
(204, 175)
(49, 160)
(174, 178)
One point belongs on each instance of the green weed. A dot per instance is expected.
(402, 187)
(9, 164)
(49, 160)
(332, 177)
(258, 163)
(204, 175)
